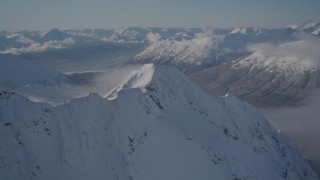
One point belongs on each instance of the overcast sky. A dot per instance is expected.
(66, 14)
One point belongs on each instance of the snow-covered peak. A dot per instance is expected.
(241, 30)
(138, 78)
(247, 30)
(53, 34)
(292, 26)
(159, 126)
(307, 24)
(135, 34)
(149, 77)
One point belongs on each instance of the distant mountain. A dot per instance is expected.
(198, 52)
(309, 26)
(211, 46)
(272, 67)
(7, 43)
(156, 124)
(262, 79)
(54, 35)
(224, 40)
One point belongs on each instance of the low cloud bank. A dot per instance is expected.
(102, 82)
(306, 49)
(301, 124)
(37, 47)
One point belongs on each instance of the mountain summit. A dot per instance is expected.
(54, 35)
(157, 124)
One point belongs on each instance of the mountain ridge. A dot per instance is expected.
(160, 127)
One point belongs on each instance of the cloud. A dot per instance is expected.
(37, 47)
(301, 123)
(152, 37)
(306, 49)
(104, 81)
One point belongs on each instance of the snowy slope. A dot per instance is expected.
(205, 48)
(316, 32)
(290, 69)
(197, 51)
(54, 35)
(16, 72)
(158, 125)
(282, 58)
(234, 39)
(209, 47)
(272, 75)
(308, 26)
(36, 83)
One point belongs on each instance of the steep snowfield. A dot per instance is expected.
(159, 125)
(138, 78)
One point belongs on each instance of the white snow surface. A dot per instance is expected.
(139, 78)
(241, 30)
(280, 64)
(40, 47)
(307, 24)
(288, 58)
(160, 126)
(198, 50)
(36, 83)
(16, 72)
(316, 32)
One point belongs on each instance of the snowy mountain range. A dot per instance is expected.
(273, 75)
(266, 67)
(155, 124)
(213, 46)
(211, 38)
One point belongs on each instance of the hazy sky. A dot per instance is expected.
(65, 14)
